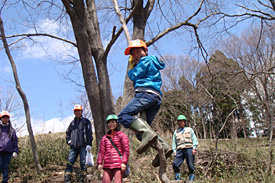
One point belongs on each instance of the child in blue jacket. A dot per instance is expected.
(8, 144)
(145, 74)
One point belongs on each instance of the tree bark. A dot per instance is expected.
(140, 17)
(139, 23)
(24, 99)
(89, 45)
(203, 128)
(269, 156)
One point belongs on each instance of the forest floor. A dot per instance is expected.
(241, 160)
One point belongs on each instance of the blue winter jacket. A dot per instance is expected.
(8, 139)
(147, 73)
(80, 133)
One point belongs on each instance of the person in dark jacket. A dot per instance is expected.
(8, 144)
(79, 137)
(108, 158)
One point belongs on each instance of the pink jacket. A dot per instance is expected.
(108, 154)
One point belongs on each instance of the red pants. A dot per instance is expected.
(109, 174)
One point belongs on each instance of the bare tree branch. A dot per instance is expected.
(14, 42)
(48, 35)
(121, 19)
(261, 14)
(149, 7)
(114, 37)
(186, 22)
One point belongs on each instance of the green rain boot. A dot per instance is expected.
(167, 149)
(148, 135)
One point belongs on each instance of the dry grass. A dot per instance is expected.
(241, 160)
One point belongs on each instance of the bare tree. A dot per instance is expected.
(256, 56)
(84, 17)
(23, 96)
(178, 86)
(223, 87)
(10, 102)
(256, 9)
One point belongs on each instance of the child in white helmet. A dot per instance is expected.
(79, 136)
(8, 144)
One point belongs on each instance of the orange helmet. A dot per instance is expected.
(135, 44)
(77, 107)
(4, 113)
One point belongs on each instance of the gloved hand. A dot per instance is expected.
(14, 154)
(88, 148)
(132, 63)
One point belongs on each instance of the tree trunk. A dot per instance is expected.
(210, 131)
(24, 99)
(244, 132)
(271, 127)
(96, 79)
(138, 33)
(203, 127)
(234, 128)
(139, 22)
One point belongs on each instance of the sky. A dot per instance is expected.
(41, 74)
(44, 85)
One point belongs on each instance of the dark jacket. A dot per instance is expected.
(80, 133)
(8, 139)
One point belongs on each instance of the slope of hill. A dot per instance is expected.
(236, 160)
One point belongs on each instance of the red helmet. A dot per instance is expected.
(4, 113)
(135, 44)
(78, 107)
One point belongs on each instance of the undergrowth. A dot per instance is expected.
(241, 160)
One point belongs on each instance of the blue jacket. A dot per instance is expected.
(8, 139)
(147, 73)
(80, 133)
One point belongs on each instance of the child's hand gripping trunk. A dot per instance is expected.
(132, 63)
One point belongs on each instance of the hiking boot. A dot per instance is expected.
(144, 129)
(167, 150)
(82, 177)
(82, 180)
(67, 177)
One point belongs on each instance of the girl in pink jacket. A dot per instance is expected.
(108, 158)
